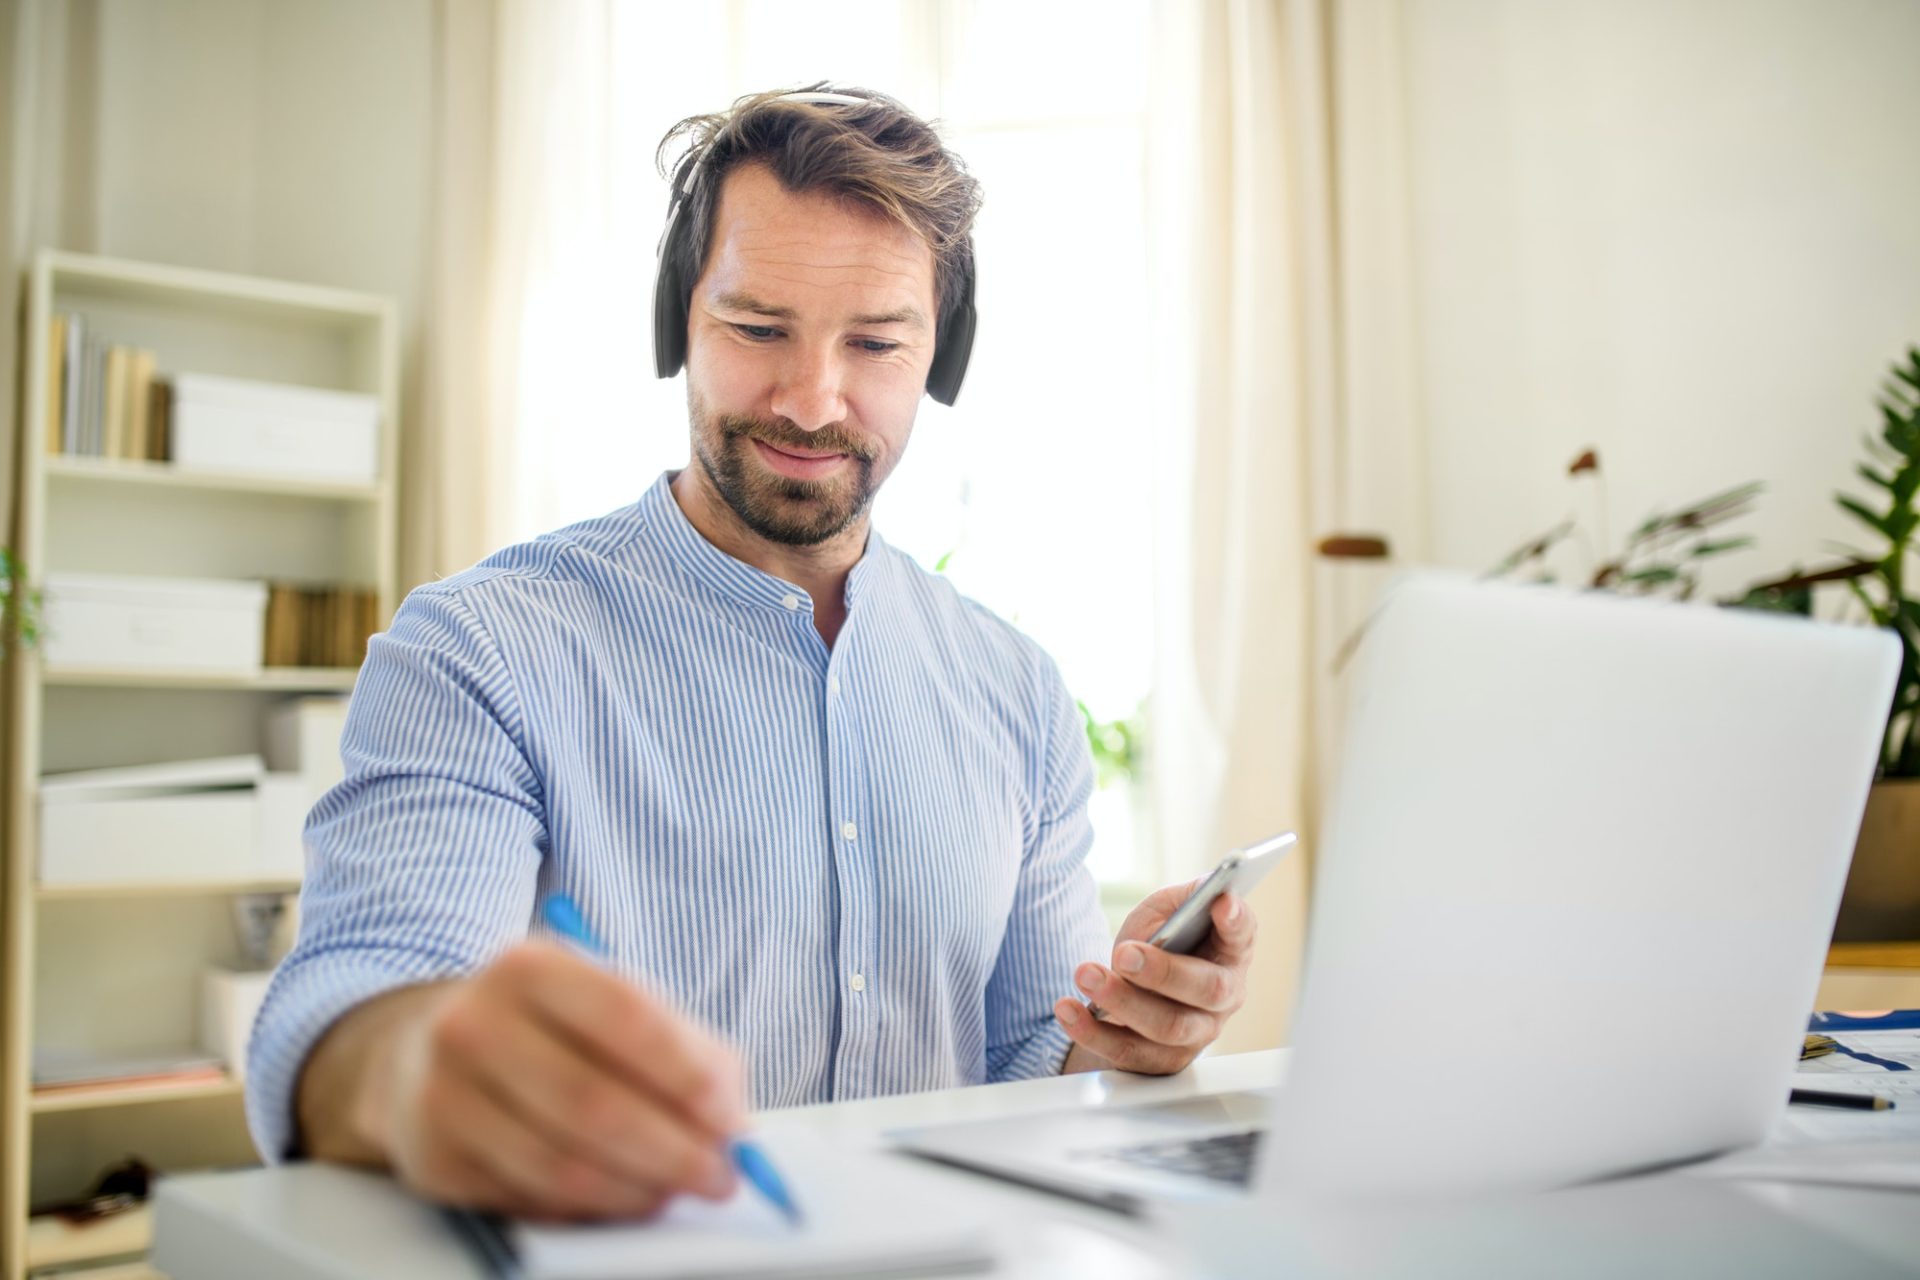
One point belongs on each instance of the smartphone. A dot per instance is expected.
(1237, 873)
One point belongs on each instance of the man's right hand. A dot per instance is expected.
(542, 1086)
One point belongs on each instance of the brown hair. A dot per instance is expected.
(877, 154)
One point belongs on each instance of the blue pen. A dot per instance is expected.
(565, 919)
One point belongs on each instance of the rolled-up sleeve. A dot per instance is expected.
(1055, 923)
(422, 862)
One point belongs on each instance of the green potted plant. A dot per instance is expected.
(1663, 556)
(1882, 901)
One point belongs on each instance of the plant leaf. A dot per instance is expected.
(1860, 511)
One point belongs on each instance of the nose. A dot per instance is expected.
(809, 393)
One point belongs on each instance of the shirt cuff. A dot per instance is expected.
(1043, 1054)
(301, 1005)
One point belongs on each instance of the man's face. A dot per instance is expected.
(808, 343)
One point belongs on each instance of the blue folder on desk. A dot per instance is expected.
(1892, 1020)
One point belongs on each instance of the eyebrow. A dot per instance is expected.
(736, 301)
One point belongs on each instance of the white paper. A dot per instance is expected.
(1836, 1145)
(861, 1213)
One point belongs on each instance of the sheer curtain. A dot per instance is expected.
(1278, 153)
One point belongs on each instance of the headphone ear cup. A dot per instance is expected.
(669, 319)
(950, 358)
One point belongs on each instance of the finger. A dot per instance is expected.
(1124, 1048)
(549, 1085)
(1188, 980)
(631, 1032)
(1155, 910)
(1154, 1016)
(1234, 930)
(545, 1178)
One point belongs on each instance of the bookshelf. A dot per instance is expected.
(115, 967)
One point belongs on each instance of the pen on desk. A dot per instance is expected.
(1853, 1101)
(565, 919)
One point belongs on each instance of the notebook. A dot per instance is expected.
(863, 1214)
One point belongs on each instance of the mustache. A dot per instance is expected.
(782, 433)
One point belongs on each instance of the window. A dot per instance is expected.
(1031, 493)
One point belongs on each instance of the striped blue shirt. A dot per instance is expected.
(865, 866)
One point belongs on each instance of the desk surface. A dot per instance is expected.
(308, 1221)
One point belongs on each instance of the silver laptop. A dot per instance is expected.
(1571, 832)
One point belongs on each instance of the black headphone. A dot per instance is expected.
(953, 341)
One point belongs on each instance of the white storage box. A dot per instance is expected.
(230, 1001)
(303, 736)
(203, 836)
(183, 624)
(285, 799)
(228, 424)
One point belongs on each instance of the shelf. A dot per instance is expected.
(268, 679)
(97, 1097)
(161, 889)
(212, 291)
(165, 475)
(51, 1242)
(106, 965)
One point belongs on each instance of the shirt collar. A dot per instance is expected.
(736, 579)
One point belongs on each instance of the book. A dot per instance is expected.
(90, 370)
(160, 421)
(70, 384)
(139, 401)
(324, 626)
(282, 647)
(113, 412)
(97, 397)
(56, 375)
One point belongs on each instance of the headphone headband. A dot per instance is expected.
(953, 335)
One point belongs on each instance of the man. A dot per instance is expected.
(829, 817)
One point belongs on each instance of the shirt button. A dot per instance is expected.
(790, 600)
(848, 830)
(858, 982)
(833, 684)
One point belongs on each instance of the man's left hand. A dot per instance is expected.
(1160, 1010)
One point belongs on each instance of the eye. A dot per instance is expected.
(875, 347)
(757, 332)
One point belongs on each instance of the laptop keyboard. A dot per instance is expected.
(1224, 1157)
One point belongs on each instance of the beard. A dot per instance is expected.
(793, 513)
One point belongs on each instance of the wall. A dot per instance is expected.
(1687, 234)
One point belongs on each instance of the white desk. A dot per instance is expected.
(306, 1222)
